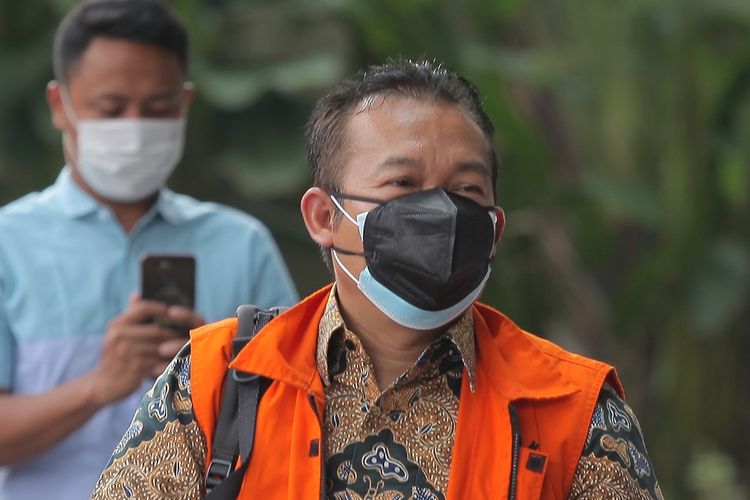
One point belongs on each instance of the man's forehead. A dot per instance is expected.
(395, 106)
(112, 67)
(392, 118)
(105, 55)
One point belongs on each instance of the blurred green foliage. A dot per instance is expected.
(623, 129)
(713, 475)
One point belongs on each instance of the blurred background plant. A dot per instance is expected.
(623, 129)
(713, 474)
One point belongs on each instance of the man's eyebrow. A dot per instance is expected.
(465, 166)
(475, 166)
(112, 97)
(401, 161)
(164, 96)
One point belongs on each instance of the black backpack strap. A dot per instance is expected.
(226, 481)
(224, 454)
(239, 409)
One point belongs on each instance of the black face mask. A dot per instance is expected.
(430, 248)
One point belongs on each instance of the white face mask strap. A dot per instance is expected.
(342, 266)
(338, 205)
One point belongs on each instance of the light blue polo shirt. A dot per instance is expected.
(67, 268)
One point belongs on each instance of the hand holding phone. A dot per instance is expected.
(170, 279)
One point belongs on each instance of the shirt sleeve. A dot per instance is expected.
(272, 286)
(614, 462)
(162, 454)
(6, 348)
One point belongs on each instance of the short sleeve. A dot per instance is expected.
(614, 460)
(6, 347)
(272, 286)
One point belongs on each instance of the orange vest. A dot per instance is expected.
(554, 393)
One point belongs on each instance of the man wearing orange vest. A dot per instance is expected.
(394, 382)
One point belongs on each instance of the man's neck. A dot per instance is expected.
(392, 348)
(127, 214)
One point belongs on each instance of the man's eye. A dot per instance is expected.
(161, 113)
(402, 183)
(473, 192)
(161, 109)
(468, 188)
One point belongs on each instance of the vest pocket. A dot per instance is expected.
(532, 465)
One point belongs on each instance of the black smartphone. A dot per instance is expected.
(169, 278)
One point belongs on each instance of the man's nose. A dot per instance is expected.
(133, 110)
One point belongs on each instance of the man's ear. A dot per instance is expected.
(500, 224)
(318, 211)
(188, 93)
(55, 101)
(499, 228)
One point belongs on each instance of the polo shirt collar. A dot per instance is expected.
(74, 201)
(77, 203)
(168, 207)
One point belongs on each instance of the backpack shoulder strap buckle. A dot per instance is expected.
(218, 470)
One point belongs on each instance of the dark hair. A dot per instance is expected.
(143, 21)
(326, 137)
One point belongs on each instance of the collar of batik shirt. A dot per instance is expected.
(460, 333)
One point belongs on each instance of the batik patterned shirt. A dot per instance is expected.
(614, 464)
(162, 454)
(394, 444)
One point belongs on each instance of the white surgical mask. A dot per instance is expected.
(126, 159)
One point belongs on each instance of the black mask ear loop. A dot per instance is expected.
(334, 197)
(346, 252)
(335, 251)
(338, 195)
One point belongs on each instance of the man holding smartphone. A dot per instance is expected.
(78, 344)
